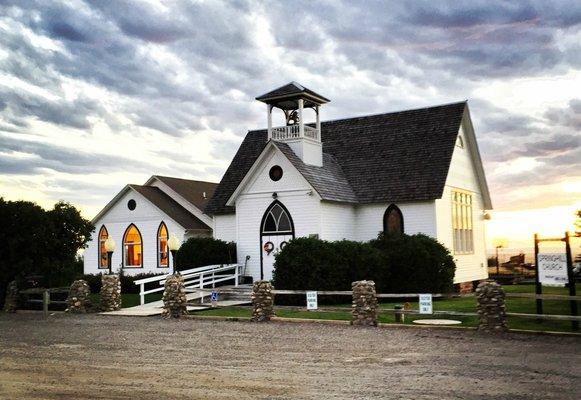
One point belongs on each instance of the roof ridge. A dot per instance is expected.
(184, 179)
(376, 115)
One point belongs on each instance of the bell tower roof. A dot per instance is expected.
(287, 96)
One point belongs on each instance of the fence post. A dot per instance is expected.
(45, 302)
(491, 307)
(141, 294)
(571, 279)
(364, 307)
(110, 293)
(78, 297)
(262, 301)
(11, 300)
(174, 297)
(236, 270)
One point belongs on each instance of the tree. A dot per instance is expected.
(35, 241)
(578, 223)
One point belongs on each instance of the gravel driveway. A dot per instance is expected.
(98, 357)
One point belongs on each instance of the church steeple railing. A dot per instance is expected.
(292, 99)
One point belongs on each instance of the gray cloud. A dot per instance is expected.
(58, 158)
(191, 66)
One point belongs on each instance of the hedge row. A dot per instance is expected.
(127, 282)
(397, 264)
(202, 251)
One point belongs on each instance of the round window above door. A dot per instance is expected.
(131, 204)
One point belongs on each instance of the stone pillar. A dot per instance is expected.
(491, 307)
(78, 298)
(364, 307)
(174, 297)
(11, 300)
(262, 301)
(110, 293)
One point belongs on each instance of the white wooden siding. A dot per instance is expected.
(469, 267)
(292, 190)
(337, 221)
(146, 218)
(225, 227)
(418, 217)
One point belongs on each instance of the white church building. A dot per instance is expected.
(414, 171)
(141, 218)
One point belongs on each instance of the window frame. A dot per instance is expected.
(268, 212)
(124, 251)
(393, 208)
(158, 241)
(462, 214)
(100, 248)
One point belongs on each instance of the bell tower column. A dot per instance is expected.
(269, 116)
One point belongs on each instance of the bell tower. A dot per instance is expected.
(304, 139)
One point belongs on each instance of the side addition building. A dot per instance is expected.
(141, 218)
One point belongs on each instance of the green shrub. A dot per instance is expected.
(397, 264)
(202, 251)
(127, 282)
(313, 264)
(417, 264)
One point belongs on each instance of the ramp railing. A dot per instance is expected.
(195, 278)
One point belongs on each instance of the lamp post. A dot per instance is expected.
(109, 248)
(499, 243)
(173, 244)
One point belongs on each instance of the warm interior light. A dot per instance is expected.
(173, 243)
(109, 245)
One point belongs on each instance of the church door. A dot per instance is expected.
(276, 229)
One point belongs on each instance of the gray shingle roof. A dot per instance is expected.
(394, 157)
(170, 207)
(290, 90)
(328, 180)
(192, 191)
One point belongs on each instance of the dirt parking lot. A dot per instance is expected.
(98, 357)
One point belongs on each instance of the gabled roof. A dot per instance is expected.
(394, 157)
(329, 180)
(192, 191)
(163, 202)
(170, 207)
(290, 91)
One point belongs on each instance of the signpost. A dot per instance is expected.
(214, 298)
(555, 269)
(312, 301)
(426, 303)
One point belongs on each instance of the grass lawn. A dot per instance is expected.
(461, 304)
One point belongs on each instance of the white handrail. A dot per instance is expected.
(198, 277)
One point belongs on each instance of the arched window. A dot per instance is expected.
(132, 249)
(162, 250)
(393, 220)
(103, 236)
(277, 220)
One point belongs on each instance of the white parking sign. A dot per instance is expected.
(311, 300)
(426, 303)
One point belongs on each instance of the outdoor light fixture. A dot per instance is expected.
(173, 244)
(109, 248)
(499, 243)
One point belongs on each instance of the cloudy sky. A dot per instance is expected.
(98, 94)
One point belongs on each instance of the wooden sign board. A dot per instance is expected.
(426, 303)
(553, 269)
(312, 301)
